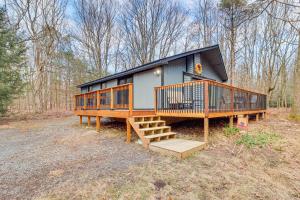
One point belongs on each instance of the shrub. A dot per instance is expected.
(260, 140)
(294, 117)
(230, 131)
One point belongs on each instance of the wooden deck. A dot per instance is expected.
(197, 99)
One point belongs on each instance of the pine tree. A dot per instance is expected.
(12, 52)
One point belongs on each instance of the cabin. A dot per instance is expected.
(187, 85)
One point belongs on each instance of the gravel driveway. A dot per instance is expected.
(38, 156)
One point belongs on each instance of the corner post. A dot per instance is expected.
(89, 120)
(206, 111)
(128, 139)
(232, 99)
(130, 99)
(206, 99)
(98, 123)
(75, 105)
(257, 117)
(155, 100)
(98, 99)
(111, 98)
(84, 101)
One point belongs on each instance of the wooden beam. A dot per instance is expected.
(80, 119)
(206, 99)
(98, 99)
(130, 99)
(111, 98)
(98, 123)
(232, 99)
(266, 115)
(128, 131)
(89, 120)
(231, 121)
(206, 125)
(155, 100)
(74, 102)
(84, 101)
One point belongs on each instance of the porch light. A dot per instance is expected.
(157, 72)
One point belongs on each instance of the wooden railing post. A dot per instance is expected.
(206, 99)
(84, 101)
(98, 99)
(232, 99)
(111, 98)
(75, 103)
(155, 100)
(130, 99)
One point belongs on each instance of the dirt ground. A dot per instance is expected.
(59, 159)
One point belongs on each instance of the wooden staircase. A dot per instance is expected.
(158, 137)
(151, 129)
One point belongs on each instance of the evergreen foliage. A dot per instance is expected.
(12, 52)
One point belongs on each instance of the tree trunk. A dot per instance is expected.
(296, 97)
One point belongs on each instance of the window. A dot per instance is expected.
(125, 80)
(103, 85)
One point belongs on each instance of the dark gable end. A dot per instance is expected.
(212, 54)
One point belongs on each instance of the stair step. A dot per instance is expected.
(154, 128)
(149, 122)
(160, 135)
(146, 118)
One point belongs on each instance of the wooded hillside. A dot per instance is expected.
(69, 42)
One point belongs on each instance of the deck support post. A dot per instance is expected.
(80, 119)
(130, 99)
(98, 123)
(257, 117)
(206, 125)
(266, 115)
(128, 139)
(231, 121)
(263, 115)
(89, 120)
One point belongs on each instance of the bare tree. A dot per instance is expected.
(205, 22)
(96, 20)
(151, 28)
(42, 20)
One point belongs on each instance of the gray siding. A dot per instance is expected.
(84, 90)
(144, 83)
(96, 87)
(173, 72)
(190, 64)
(208, 70)
(111, 83)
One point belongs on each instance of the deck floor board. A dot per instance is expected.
(178, 147)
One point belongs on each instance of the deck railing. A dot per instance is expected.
(206, 96)
(118, 97)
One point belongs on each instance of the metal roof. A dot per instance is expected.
(210, 52)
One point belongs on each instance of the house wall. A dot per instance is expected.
(96, 87)
(84, 90)
(143, 89)
(111, 83)
(173, 71)
(207, 70)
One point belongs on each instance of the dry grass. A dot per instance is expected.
(225, 170)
